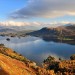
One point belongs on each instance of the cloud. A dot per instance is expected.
(15, 23)
(35, 23)
(45, 9)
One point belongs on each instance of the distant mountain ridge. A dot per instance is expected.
(68, 29)
(7, 30)
(15, 29)
(20, 28)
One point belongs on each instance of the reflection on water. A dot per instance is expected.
(37, 49)
(48, 39)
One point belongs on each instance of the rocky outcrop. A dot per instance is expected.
(61, 67)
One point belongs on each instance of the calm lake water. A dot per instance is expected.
(36, 49)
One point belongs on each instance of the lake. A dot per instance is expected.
(37, 49)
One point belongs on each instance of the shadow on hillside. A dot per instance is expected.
(2, 72)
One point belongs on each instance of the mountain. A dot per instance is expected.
(69, 24)
(44, 32)
(68, 29)
(14, 30)
(20, 28)
(54, 33)
(7, 30)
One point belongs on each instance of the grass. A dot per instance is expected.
(13, 54)
(66, 39)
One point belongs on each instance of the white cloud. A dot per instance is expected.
(46, 9)
(36, 24)
(65, 22)
(15, 23)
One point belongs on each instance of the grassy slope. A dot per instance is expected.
(10, 66)
(13, 66)
(12, 63)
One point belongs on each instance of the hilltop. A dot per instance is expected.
(12, 63)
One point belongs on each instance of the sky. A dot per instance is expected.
(37, 12)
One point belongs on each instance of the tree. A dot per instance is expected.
(49, 59)
(72, 57)
(60, 59)
(1, 44)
